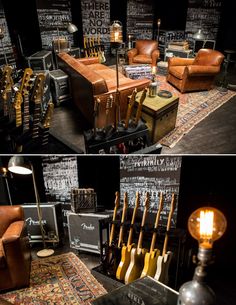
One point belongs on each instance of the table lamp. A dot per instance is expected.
(206, 225)
(22, 166)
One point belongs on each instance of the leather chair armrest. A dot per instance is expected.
(178, 61)
(131, 53)
(89, 60)
(203, 70)
(155, 54)
(13, 232)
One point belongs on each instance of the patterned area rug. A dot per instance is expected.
(193, 108)
(58, 280)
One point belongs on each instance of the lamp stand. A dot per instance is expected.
(197, 292)
(45, 252)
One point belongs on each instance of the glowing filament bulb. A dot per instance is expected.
(116, 34)
(206, 227)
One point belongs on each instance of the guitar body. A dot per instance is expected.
(163, 263)
(136, 265)
(150, 263)
(124, 262)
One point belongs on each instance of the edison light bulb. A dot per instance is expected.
(207, 225)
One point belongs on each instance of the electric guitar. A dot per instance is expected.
(140, 106)
(85, 47)
(46, 121)
(121, 234)
(150, 260)
(126, 249)
(164, 260)
(109, 103)
(6, 88)
(37, 97)
(138, 253)
(101, 54)
(110, 257)
(130, 107)
(23, 92)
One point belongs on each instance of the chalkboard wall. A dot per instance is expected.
(60, 176)
(6, 51)
(204, 15)
(151, 174)
(53, 18)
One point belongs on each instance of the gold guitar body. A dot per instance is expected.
(124, 262)
(136, 265)
(150, 263)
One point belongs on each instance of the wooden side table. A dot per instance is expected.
(159, 115)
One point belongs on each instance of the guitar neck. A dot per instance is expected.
(168, 225)
(154, 235)
(45, 136)
(18, 116)
(125, 206)
(113, 219)
(26, 113)
(140, 239)
(130, 107)
(36, 120)
(140, 106)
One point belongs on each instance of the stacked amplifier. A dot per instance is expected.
(84, 226)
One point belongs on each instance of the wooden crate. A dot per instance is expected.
(159, 114)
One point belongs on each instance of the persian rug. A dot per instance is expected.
(193, 108)
(58, 280)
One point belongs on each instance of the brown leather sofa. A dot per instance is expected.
(145, 52)
(15, 255)
(91, 80)
(192, 74)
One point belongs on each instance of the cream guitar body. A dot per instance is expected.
(163, 261)
(150, 261)
(136, 265)
(126, 250)
(138, 253)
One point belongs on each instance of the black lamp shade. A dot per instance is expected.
(19, 165)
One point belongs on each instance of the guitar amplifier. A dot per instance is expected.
(41, 60)
(51, 220)
(84, 231)
(60, 86)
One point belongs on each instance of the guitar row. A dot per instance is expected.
(93, 48)
(130, 261)
(24, 119)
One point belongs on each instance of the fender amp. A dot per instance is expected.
(51, 220)
(84, 231)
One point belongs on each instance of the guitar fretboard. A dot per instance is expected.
(26, 114)
(36, 120)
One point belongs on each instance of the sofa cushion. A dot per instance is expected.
(177, 71)
(142, 58)
(109, 75)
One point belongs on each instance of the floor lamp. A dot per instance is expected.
(116, 39)
(20, 165)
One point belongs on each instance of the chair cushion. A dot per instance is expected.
(177, 71)
(142, 59)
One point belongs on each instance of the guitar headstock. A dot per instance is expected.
(147, 201)
(18, 100)
(125, 200)
(37, 94)
(173, 203)
(6, 80)
(133, 96)
(24, 88)
(48, 115)
(117, 200)
(161, 202)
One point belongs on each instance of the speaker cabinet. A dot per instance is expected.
(51, 220)
(84, 231)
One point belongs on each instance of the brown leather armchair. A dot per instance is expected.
(15, 256)
(192, 74)
(145, 52)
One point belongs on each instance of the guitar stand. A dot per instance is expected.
(119, 136)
